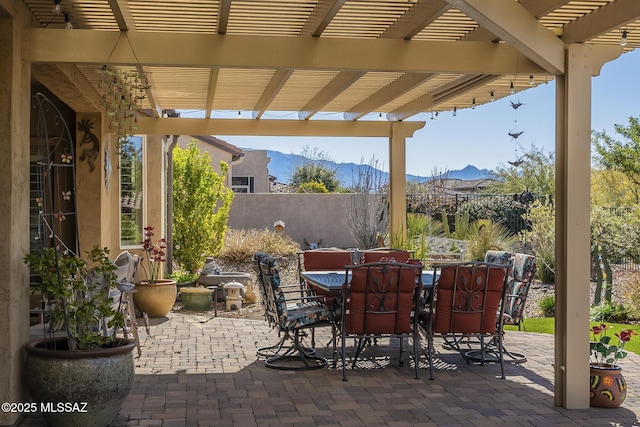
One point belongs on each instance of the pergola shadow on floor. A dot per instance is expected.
(199, 371)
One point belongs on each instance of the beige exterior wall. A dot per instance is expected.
(255, 163)
(217, 154)
(315, 217)
(155, 212)
(15, 82)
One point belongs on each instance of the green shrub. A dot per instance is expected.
(609, 312)
(632, 294)
(486, 235)
(201, 203)
(183, 276)
(241, 245)
(312, 187)
(542, 239)
(499, 209)
(547, 306)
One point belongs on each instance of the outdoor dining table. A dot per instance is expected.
(331, 281)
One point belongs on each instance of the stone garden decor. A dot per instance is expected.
(212, 275)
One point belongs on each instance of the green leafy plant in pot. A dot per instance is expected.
(84, 361)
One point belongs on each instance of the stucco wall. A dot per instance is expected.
(15, 80)
(314, 217)
(217, 154)
(255, 163)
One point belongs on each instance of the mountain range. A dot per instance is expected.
(282, 165)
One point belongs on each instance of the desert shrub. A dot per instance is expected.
(312, 187)
(547, 305)
(241, 245)
(486, 235)
(499, 209)
(632, 294)
(614, 229)
(419, 227)
(542, 239)
(609, 312)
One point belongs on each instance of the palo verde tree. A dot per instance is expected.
(201, 204)
(535, 172)
(621, 156)
(315, 166)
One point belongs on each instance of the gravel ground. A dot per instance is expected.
(622, 280)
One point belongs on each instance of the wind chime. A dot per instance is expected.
(123, 91)
(515, 134)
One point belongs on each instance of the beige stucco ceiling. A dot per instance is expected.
(312, 57)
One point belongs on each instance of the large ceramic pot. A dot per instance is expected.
(608, 386)
(79, 388)
(155, 299)
(196, 299)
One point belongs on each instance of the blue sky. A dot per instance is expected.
(480, 136)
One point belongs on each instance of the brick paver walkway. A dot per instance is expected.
(197, 371)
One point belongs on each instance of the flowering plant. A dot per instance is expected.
(602, 350)
(155, 255)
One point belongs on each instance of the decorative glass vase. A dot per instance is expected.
(608, 388)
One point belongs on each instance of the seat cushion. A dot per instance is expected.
(299, 314)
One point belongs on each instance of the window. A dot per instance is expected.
(131, 191)
(243, 184)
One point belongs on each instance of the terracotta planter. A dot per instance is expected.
(155, 299)
(196, 299)
(608, 386)
(98, 381)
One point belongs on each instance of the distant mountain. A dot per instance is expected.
(282, 165)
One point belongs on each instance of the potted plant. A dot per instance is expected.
(608, 386)
(83, 363)
(154, 296)
(183, 278)
(193, 296)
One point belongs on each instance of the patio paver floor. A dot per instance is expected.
(199, 371)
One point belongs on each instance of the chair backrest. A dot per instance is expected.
(326, 259)
(524, 269)
(276, 301)
(381, 298)
(127, 264)
(376, 255)
(445, 248)
(498, 257)
(266, 292)
(467, 298)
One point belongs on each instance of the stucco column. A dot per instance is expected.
(397, 185)
(573, 172)
(90, 193)
(15, 79)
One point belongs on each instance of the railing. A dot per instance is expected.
(508, 210)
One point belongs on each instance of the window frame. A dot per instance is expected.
(122, 245)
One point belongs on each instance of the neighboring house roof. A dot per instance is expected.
(459, 185)
(236, 152)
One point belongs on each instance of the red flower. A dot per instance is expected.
(625, 335)
(155, 254)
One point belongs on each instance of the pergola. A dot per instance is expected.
(394, 58)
